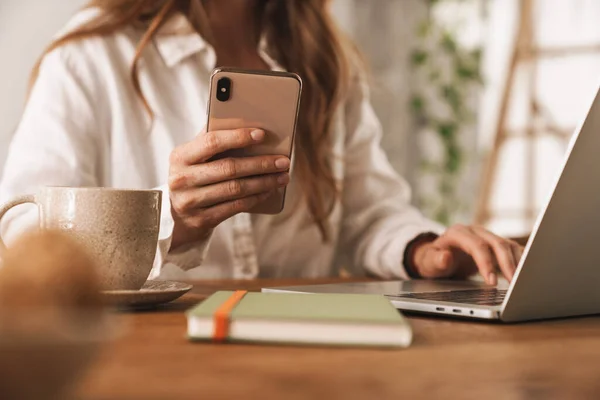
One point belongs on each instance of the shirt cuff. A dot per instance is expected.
(393, 257)
(409, 252)
(185, 257)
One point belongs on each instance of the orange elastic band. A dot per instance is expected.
(222, 316)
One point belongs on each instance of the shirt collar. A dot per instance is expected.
(177, 40)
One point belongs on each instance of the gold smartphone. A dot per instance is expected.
(257, 99)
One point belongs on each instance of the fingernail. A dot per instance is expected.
(283, 179)
(492, 279)
(257, 135)
(282, 163)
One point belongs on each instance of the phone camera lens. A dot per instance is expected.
(224, 89)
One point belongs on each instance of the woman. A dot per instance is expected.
(120, 98)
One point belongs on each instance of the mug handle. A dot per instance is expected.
(8, 206)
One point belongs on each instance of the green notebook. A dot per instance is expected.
(324, 319)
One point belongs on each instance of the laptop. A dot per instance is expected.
(559, 273)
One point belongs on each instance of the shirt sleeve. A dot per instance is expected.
(55, 143)
(379, 220)
(173, 262)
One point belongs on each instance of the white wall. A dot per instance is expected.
(26, 27)
(387, 46)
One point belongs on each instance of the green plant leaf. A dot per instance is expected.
(453, 159)
(417, 104)
(443, 216)
(419, 57)
(448, 43)
(453, 96)
(477, 54)
(435, 75)
(424, 29)
(468, 70)
(447, 129)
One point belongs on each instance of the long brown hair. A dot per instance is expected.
(303, 38)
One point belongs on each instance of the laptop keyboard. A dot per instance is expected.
(482, 297)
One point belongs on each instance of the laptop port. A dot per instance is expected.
(456, 311)
(440, 309)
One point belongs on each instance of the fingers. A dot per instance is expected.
(435, 262)
(503, 250)
(210, 144)
(207, 196)
(226, 169)
(517, 251)
(477, 247)
(213, 216)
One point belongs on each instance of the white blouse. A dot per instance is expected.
(84, 125)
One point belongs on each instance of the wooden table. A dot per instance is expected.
(449, 359)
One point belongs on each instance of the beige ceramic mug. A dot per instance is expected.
(118, 227)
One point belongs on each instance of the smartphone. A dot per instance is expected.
(266, 100)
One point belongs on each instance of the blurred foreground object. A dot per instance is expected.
(52, 319)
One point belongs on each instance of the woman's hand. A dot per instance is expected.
(205, 193)
(464, 250)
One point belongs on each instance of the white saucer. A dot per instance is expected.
(153, 293)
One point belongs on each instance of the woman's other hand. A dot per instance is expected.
(464, 250)
(205, 193)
